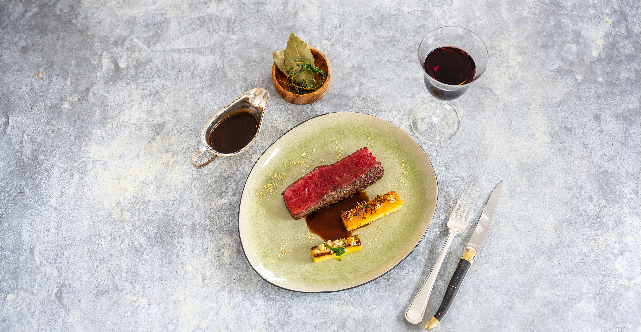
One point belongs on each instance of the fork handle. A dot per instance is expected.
(416, 310)
(455, 283)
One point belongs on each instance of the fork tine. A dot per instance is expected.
(470, 207)
(468, 196)
(462, 199)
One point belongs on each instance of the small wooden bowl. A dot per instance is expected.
(280, 82)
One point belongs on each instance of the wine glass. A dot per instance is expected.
(452, 58)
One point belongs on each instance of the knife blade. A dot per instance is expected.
(472, 248)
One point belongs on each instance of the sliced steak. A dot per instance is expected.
(329, 184)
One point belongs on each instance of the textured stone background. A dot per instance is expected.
(104, 225)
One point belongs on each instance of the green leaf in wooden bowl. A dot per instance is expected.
(296, 53)
(279, 59)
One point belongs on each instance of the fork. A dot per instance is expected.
(458, 220)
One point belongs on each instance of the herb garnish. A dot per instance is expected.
(297, 63)
(303, 86)
(338, 251)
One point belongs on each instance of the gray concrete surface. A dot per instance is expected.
(105, 226)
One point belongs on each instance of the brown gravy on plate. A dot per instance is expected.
(327, 222)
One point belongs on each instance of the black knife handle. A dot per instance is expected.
(455, 283)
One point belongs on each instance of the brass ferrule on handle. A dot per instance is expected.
(431, 323)
(469, 254)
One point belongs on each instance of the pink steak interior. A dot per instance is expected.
(311, 188)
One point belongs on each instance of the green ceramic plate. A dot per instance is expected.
(278, 247)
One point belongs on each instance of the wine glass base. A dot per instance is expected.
(434, 121)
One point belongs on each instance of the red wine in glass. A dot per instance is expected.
(449, 65)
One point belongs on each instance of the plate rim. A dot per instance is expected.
(351, 286)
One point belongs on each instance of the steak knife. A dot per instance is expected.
(472, 248)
